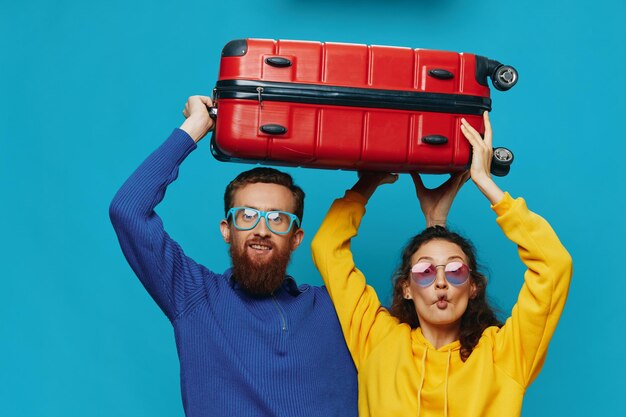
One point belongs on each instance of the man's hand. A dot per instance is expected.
(198, 122)
(436, 202)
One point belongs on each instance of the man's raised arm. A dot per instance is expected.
(158, 260)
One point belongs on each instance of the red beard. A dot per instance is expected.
(260, 278)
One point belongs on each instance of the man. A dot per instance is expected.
(250, 341)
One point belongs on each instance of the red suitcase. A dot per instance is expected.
(348, 106)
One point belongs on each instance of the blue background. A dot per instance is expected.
(88, 89)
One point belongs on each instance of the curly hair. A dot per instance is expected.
(268, 176)
(479, 314)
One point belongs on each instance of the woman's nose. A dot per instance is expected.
(440, 280)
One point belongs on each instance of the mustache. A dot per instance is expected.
(260, 241)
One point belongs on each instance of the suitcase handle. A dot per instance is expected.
(273, 129)
(440, 74)
(435, 139)
(277, 61)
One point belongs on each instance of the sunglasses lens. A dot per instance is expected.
(457, 273)
(423, 273)
(278, 222)
(245, 218)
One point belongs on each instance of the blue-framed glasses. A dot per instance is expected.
(425, 273)
(246, 218)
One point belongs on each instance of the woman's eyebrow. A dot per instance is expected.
(428, 258)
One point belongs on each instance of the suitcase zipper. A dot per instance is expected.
(259, 91)
(351, 96)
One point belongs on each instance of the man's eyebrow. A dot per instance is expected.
(271, 209)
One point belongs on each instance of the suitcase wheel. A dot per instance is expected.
(504, 77)
(501, 161)
(500, 171)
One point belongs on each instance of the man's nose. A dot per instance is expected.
(261, 228)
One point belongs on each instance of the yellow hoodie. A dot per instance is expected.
(400, 372)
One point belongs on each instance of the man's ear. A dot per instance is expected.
(225, 230)
(296, 239)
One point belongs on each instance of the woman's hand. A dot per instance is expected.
(482, 152)
(482, 148)
(370, 180)
(436, 202)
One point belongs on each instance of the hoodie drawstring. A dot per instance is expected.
(419, 390)
(445, 393)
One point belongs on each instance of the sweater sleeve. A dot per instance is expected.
(159, 262)
(521, 344)
(363, 320)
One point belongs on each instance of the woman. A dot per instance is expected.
(440, 351)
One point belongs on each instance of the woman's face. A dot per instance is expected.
(439, 304)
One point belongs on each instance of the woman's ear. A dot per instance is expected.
(406, 291)
(473, 290)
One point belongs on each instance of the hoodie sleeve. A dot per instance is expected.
(363, 320)
(521, 344)
(157, 260)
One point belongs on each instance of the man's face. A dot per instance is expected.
(259, 256)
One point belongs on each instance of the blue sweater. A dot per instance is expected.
(282, 355)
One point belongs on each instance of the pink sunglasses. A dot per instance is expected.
(424, 273)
